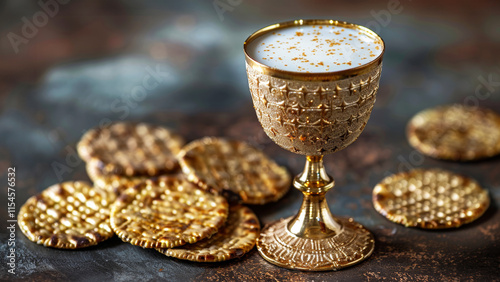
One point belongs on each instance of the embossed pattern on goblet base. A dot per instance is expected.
(353, 244)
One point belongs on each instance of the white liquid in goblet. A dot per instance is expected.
(315, 48)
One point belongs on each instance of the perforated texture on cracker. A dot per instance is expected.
(69, 215)
(167, 212)
(131, 149)
(430, 198)
(234, 169)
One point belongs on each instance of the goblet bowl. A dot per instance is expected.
(313, 117)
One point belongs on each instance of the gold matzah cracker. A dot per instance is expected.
(430, 198)
(456, 133)
(69, 215)
(112, 183)
(167, 212)
(131, 149)
(233, 240)
(234, 169)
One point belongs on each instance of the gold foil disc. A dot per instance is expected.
(455, 132)
(69, 215)
(167, 212)
(430, 198)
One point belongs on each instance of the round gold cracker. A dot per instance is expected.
(430, 198)
(455, 132)
(167, 212)
(131, 149)
(69, 215)
(234, 169)
(233, 240)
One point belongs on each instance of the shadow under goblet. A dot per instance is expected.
(314, 114)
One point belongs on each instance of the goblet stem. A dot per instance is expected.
(314, 219)
(314, 240)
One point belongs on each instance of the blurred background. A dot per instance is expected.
(67, 66)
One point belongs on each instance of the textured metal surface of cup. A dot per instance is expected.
(313, 117)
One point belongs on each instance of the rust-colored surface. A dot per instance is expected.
(80, 69)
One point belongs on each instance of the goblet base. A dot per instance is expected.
(350, 245)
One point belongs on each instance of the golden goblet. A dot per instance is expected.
(314, 114)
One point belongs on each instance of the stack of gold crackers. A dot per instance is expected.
(436, 198)
(152, 191)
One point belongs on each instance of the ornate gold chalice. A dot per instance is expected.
(314, 114)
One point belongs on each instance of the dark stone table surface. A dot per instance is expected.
(80, 65)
